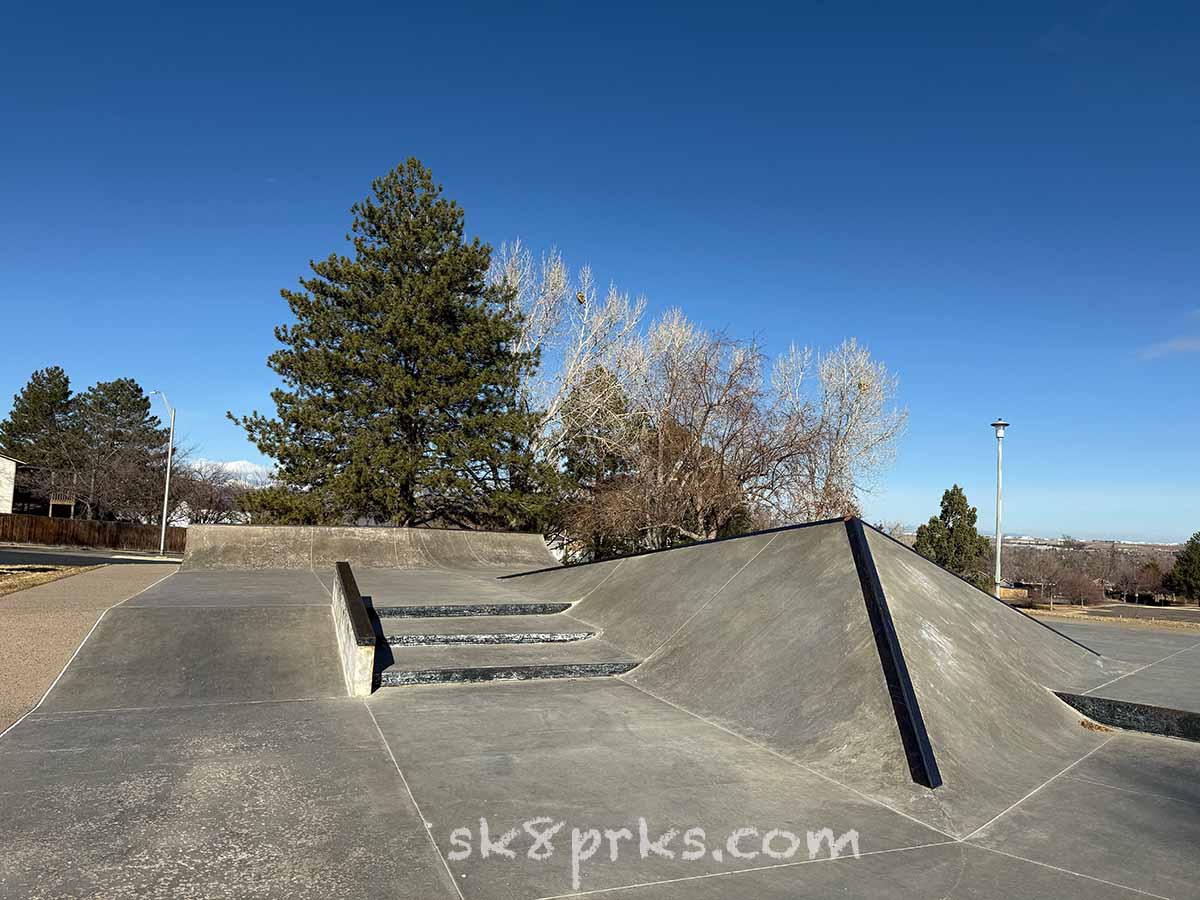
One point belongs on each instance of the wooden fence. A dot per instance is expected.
(19, 529)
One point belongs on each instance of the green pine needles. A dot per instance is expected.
(400, 401)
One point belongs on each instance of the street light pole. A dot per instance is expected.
(162, 539)
(999, 425)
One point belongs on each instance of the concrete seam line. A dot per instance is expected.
(95, 624)
(117, 709)
(600, 584)
(1005, 812)
(703, 606)
(1045, 865)
(1130, 790)
(1143, 668)
(749, 869)
(786, 759)
(416, 806)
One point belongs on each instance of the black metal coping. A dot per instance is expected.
(732, 537)
(976, 587)
(1176, 723)
(917, 748)
(364, 634)
(470, 609)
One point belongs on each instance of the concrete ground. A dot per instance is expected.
(42, 626)
(201, 745)
(1165, 663)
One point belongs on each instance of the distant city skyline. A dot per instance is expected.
(1002, 204)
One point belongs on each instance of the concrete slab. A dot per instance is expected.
(1145, 765)
(149, 657)
(1137, 645)
(981, 672)
(274, 800)
(1162, 667)
(785, 656)
(639, 602)
(1174, 684)
(601, 754)
(957, 871)
(1138, 840)
(41, 627)
(232, 589)
(424, 587)
(183, 754)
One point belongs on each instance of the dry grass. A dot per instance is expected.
(1123, 621)
(19, 577)
(1094, 726)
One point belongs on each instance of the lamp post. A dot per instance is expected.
(162, 539)
(999, 425)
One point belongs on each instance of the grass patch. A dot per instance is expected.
(15, 578)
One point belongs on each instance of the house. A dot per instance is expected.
(8, 481)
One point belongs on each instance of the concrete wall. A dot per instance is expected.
(318, 547)
(8, 477)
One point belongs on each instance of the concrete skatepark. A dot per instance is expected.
(205, 740)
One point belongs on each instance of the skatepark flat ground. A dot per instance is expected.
(201, 745)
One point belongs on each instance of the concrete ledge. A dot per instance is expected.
(355, 636)
(316, 546)
(1176, 723)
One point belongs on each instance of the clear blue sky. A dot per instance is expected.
(1005, 206)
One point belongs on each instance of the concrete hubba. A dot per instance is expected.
(771, 636)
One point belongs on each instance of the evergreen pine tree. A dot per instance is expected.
(38, 431)
(951, 540)
(1184, 577)
(400, 400)
(119, 452)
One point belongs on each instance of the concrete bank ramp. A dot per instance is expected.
(940, 709)
(319, 547)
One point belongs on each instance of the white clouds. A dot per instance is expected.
(1171, 347)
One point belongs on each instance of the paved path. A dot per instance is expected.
(30, 554)
(42, 626)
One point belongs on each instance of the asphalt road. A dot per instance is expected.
(25, 554)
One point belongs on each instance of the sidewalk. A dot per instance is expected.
(42, 626)
(77, 556)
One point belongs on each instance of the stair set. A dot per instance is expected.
(472, 642)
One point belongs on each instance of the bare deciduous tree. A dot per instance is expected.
(207, 493)
(567, 324)
(712, 446)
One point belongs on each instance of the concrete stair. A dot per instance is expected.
(459, 643)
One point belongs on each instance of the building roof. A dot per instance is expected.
(19, 462)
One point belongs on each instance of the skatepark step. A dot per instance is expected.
(483, 630)
(469, 609)
(458, 663)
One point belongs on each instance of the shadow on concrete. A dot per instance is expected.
(383, 650)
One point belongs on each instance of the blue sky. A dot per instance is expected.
(1005, 206)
